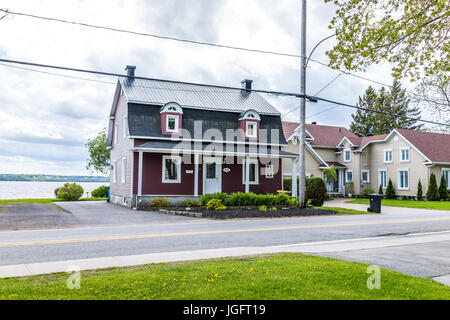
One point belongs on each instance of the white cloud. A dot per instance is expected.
(46, 120)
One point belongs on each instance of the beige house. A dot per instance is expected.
(404, 156)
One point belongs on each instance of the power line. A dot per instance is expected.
(280, 93)
(292, 55)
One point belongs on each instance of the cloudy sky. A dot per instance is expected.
(46, 119)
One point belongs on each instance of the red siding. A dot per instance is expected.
(231, 181)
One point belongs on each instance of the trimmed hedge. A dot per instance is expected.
(433, 192)
(249, 199)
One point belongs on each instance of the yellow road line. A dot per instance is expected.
(178, 234)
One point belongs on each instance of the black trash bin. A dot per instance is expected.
(375, 202)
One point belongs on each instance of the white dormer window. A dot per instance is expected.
(172, 123)
(250, 114)
(251, 130)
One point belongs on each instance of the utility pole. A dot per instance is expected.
(302, 134)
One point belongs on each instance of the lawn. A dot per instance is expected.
(437, 205)
(344, 211)
(277, 276)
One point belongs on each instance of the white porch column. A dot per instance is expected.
(140, 173)
(294, 177)
(247, 174)
(195, 174)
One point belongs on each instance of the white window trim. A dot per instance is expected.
(255, 130)
(124, 168)
(379, 178)
(448, 180)
(178, 159)
(346, 180)
(409, 154)
(124, 127)
(398, 177)
(255, 161)
(116, 132)
(177, 120)
(114, 171)
(368, 176)
(350, 153)
(384, 155)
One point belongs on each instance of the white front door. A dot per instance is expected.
(212, 175)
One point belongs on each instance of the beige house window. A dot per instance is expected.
(404, 155)
(388, 156)
(365, 176)
(446, 174)
(347, 155)
(403, 179)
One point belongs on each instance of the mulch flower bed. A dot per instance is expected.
(243, 212)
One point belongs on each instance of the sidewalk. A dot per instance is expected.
(341, 203)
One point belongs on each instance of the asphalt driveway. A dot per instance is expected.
(34, 216)
(29, 216)
(98, 213)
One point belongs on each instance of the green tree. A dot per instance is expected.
(433, 193)
(380, 189)
(410, 34)
(419, 191)
(362, 124)
(330, 174)
(390, 191)
(99, 154)
(378, 119)
(443, 192)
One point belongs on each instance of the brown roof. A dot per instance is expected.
(327, 136)
(435, 146)
(366, 140)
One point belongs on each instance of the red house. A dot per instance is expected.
(180, 141)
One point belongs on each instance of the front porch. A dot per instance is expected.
(179, 172)
(337, 188)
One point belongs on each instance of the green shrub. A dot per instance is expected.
(404, 197)
(273, 209)
(282, 199)
(100, 192)
(433, 192)
(367, 191)
(262, 208)
(215, 204)
(443, 192)
(316, 191)
(160, 202)
(390, 191)
(205, 199)
(190, 203)
(419, 191)
(380, 190)
(56, 192)
(292, 202)
(70, 192)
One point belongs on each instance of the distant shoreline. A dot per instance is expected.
(51, 178)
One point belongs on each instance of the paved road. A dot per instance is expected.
(147, 233)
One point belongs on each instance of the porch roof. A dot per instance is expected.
(159, 146)
(337, 165)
